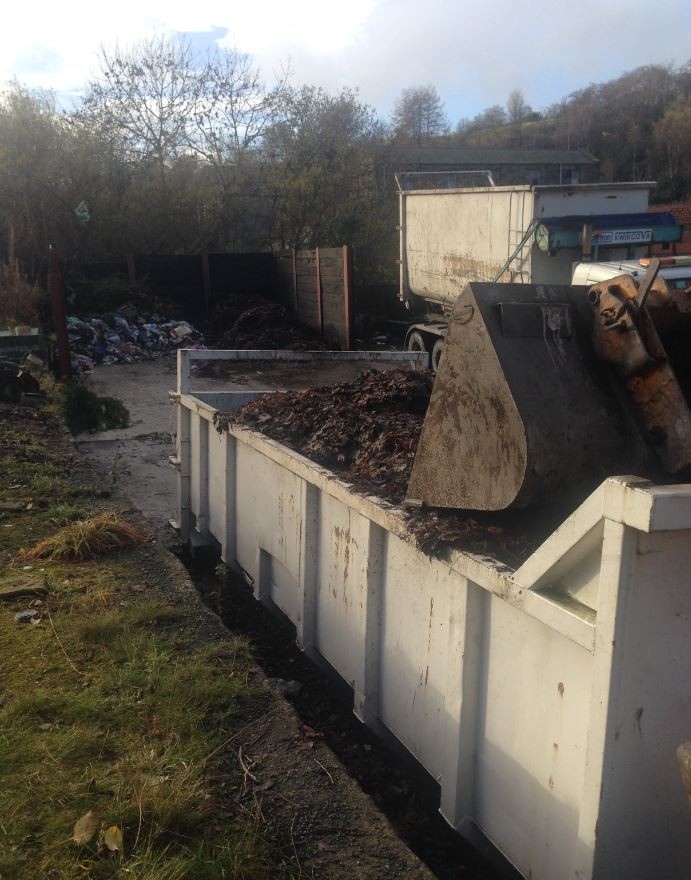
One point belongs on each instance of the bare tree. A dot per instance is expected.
(672, 133)
(233, 109)
(516, 107)
(145, 98)
(419, 115)
(492, 117)
(33, 151)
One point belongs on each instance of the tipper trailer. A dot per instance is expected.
(452, 235)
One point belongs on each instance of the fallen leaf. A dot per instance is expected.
(85, 828)
(153, 781)
(112, 838)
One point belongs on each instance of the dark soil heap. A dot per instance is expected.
(369, 430)
(270, 326)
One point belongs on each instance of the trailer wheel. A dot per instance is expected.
(416, 342)
(437, 351)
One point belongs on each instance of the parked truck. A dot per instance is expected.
(579, 234)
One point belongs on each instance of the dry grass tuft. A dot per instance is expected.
(87, 539)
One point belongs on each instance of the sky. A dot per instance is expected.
(474, 54)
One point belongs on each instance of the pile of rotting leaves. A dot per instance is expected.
(368, 430)
(271, 326)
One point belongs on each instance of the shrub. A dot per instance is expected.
(85, 411)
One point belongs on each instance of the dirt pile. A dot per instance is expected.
(267, 325)
(369, 430)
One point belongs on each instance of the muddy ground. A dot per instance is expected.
(135, 461)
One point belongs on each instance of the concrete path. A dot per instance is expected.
(136, 458)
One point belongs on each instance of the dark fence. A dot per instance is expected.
(316, 284)
(196, 283)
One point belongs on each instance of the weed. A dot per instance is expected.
(152, 611)
(89, 491)
(87, 538)
(42, 485)
(63, 513)
(85, 411)
(101, 630)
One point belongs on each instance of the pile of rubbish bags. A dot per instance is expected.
(125, 336)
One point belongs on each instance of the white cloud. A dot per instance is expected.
(474, 54)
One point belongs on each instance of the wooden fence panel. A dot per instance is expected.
(321, 290)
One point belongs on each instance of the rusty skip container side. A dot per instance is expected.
(520, 411)
(548, 702)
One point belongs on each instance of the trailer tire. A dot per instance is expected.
(416, 342)
(437, 351)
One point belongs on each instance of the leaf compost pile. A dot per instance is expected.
(270, 326)
(368, 430)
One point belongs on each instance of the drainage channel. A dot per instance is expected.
(405, 793)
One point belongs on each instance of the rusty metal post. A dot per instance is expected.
(320, 306)
(347, 292)
(296, 302)
(57, 303)
(206, 282)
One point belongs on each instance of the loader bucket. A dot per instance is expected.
(522, 411)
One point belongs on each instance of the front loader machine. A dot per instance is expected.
(544, 391)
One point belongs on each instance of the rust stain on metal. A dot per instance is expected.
(638, 716)
(281, 530)
(346, 561)
(464, 267)
(625, 334)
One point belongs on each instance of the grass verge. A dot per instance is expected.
(111, 705)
